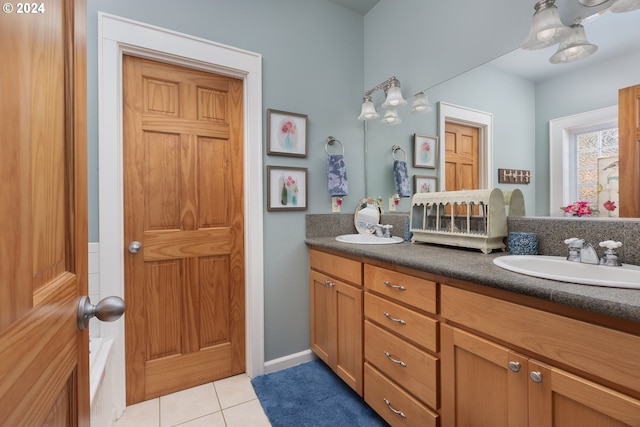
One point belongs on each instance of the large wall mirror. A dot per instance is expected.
(522, 92)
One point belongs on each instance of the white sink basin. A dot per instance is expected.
(558, 268)
(368, 239)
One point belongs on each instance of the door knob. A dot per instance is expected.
(107, 309)
(135, 247)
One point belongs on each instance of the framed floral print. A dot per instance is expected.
(286, 188)
(425, 184)
(286, 133)
(425, 151)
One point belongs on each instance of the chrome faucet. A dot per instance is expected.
(380, 230)
(586, 253)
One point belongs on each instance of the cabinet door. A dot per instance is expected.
(348, 320)
(323, 317)
(482, 384)
(563, 399)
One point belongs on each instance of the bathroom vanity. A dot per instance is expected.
(447, 338)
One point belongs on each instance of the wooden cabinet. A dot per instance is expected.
(336, 315)
(486, 382)
(401, 344)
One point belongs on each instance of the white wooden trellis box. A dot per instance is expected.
(469, 218)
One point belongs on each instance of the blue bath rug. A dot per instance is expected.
(311, 395)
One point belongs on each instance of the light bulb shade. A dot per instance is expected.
(574, 47)
(368, 111)
(546, 28)
(620, 6)
(394, 97)
(391, 117)
(420, 104)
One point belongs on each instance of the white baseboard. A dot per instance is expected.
(288, 361)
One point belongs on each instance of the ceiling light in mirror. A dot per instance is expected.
(546, 29)
(574, 47)
(391, 117)
(420, 103)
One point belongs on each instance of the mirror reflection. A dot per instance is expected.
(522, 93)
(367, 215)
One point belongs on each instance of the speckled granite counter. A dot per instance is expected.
(476, 267)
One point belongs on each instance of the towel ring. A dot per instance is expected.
(396, 148)
(330, 141)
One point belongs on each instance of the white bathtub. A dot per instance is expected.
(102, 399)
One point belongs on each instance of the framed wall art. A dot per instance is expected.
(425, 184)
(286, 133)
(425, 151)
(286, 188)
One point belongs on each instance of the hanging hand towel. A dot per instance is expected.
(401, 178)
(337, 176)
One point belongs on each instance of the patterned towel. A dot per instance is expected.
(337, 176)
(401, 178)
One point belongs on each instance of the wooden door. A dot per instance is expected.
(564, 399)
(44, 358)
(461, 157)
(183, 195)
(323, 317)
(482, 383)
(348, 354)
(629, 151)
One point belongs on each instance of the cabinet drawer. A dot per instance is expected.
(344, 268)
(417, 372)
(606, 353)
(378, 390)
(417, 327)
(417, 292)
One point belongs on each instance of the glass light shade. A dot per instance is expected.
(368, 111)
(391, 117)
(574, 47)
(420, 104)
(620, 6)
(394, 98)
(546, 28)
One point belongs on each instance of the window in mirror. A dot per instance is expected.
(576, 144)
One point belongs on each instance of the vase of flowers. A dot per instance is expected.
(579, 208)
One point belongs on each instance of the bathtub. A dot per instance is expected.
(101, 397)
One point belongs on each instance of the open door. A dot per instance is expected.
(629, 151)
(44, 357)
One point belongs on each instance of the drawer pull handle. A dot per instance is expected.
(392, 286)
(395, 411)
(393, 319)
(399, 362)
(329, 283)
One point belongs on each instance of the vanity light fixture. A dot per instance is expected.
(393, 100)
(420, 103)
(574, 47)
(620, 6)
(546, 28)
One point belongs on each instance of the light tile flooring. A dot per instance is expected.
(230, 402)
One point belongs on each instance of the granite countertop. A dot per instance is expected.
(476, 267)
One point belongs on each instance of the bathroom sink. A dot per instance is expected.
(368, 239)
(558, 268)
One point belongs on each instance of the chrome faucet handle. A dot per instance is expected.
(610, 256)
(386, 230)
(575, 246)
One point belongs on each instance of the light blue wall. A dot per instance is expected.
(313, 56)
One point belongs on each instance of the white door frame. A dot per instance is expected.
(117, 36)
(474, 118)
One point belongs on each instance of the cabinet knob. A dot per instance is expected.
(514, 366)
(329, 283)
(536, 376)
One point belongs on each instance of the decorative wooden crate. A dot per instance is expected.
(469, 218)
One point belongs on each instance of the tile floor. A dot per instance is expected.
(230, 402)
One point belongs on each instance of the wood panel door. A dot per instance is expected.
(629, 149)
(461, 157)
(183, 196)
(44, 358)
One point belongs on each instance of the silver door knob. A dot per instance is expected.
(107, 310)
(536, 376)
(135, 247)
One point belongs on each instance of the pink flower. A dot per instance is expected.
(610, 205)
(426, 146)
(579, 208)
(289, 127)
